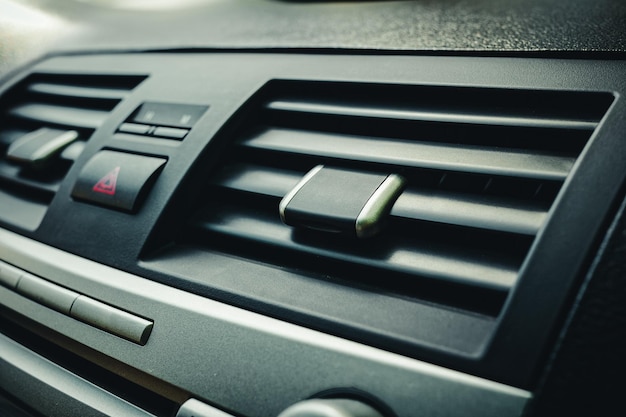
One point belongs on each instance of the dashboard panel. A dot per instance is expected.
(145, 269)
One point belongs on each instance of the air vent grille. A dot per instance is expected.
(60, 103)
(483, 167)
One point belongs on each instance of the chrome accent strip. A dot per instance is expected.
(287, 199)
(111, 319)
(46, 293)
(369, 219)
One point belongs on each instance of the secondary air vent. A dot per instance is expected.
(483, 168)
(45, 122)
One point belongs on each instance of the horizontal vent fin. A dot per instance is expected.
(410, 255)
(509, 162)
(450, 100)
(70, 117)
(483, 168)
(40, 187)
(355, 110)
(71, 91)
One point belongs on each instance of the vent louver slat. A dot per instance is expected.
(419, 257)
(78, 91)
(415, 154)
(60, 115)
(483, 167)
(424, 116)
(63, 102)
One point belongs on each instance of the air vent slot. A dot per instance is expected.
(483, 168)
(58, 102)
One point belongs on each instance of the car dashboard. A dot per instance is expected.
(264, 208)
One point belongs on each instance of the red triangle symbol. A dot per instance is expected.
(107, 184)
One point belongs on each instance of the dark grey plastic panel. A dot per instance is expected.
(224, 354)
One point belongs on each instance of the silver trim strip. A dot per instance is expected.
(90, 311)
(369, 220)
(46, 293)
(244, 352)
(9, 275)
(111, 319)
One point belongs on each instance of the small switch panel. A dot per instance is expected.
(169, 114)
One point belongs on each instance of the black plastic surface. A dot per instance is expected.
(587, 367)
(483, 26)
(10, 408)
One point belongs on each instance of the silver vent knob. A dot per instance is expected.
(330, 408)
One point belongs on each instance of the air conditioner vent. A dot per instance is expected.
(483, 168)
(53, 105)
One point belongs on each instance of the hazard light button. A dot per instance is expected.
(117, 179)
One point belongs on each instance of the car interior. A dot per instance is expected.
(263, 208)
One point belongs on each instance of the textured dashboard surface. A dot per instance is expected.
(423, 25)
(591, 356)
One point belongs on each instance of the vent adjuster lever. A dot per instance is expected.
(37, 148)
(342, 201)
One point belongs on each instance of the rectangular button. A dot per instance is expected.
(9, 275)
(46, 293)
(170, 132)
(111, 319)
(117, 179)
(169, 114)
(134, 128)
